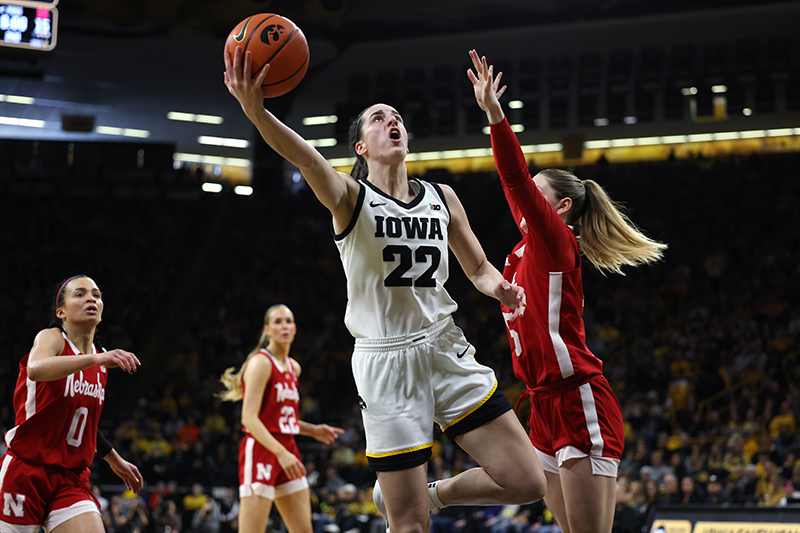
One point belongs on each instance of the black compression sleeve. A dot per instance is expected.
(103, 446)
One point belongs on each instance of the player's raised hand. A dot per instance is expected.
(241, 84)
(487, 87)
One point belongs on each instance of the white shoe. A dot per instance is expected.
(377, 498)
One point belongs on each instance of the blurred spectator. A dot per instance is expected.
(166, 518)
(716, 492)
(690, 493)
(207, 518)
(785, 417)
(652, 496)
(670, 490)
(100, 499)
(793, 496)
(628, 517)
(333, 481)
(657, 467)
(189, 433)
(138, 516)
(735, 454)
(776, 494)
(193, 501)
(694, 464)
(229, 511)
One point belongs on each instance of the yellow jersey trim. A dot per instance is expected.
(465, 415)
(399, 452)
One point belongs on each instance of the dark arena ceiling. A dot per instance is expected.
(345, 22)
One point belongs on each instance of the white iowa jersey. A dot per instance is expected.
(395, 257)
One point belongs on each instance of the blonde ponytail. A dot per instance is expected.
(608, 238)
(232, 380)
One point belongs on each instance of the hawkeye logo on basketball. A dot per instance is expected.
(79, 386)
(12, 503)
(272, 33)
(408, 227)
(287, 393)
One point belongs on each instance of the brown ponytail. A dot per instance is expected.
(360, 169)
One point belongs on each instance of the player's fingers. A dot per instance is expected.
(474, 56)
(237, 62)
(262, 75)
(247, 71)
(226, 58)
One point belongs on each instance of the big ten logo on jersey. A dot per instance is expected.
(263, 472)
(12, 503)
(408, 227)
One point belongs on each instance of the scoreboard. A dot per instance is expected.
(28, 24)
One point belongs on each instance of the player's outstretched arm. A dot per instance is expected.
(322, 432)
(335, 190)
(44, 363)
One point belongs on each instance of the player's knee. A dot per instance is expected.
(531, 488)
(408, 527)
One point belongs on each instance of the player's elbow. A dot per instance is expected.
(35, 373)
(247, 421)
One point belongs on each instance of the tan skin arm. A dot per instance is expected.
(472, 258)
(125, 470)
(335, 190)
(44, 363)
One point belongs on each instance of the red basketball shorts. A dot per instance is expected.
(260, 473)
(34, 495)
(576, 422)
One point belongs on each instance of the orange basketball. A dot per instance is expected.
(276, 40)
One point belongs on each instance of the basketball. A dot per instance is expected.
(274, 40)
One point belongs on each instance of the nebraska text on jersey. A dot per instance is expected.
(286, 392)
(79, 386)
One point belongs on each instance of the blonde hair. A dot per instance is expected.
(231, 379)
(607, 237)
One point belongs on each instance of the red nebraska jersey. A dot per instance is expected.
(280, 406)
(56, 421)
(548, 342)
